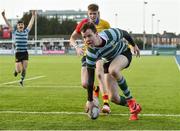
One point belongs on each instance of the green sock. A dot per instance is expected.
(124, 87)
(123, 101)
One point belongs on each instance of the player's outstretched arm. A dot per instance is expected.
(90, 83)
(136, 50)
(127, 36)
(6, 21)
(73, 43)
(89, 103)
(32, 19)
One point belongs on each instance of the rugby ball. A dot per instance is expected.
(94, 112)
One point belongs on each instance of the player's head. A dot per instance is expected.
(93, 13)
(89, 33)
(20, 25)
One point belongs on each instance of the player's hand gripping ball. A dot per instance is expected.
(92, 110)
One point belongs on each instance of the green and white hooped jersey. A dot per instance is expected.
(114, 46)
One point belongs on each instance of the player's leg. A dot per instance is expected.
(24, 63)
(115, 68)
(113, 92)
(112, 86)
(84, 77)
(23, 73)
(103, 89)
(18, 68)
(18, 65)
(84, 73)
(118, 64)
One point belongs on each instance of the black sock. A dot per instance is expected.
(23, 74)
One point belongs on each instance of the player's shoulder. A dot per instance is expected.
(110, 32)
(85, 20)
(82, 22)
(114, 29)
(104, 21)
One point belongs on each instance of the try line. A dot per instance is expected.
(83, 113)
(17, 81)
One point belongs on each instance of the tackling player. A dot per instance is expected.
(94, 16)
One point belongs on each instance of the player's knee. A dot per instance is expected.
(114, 72)
(114, 99)
(84, 85)
(99, 75)
(18, 71)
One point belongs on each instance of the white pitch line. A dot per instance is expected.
(177, 63)
(46, 86)
(32, 78)
(52, 86)
(82, 113)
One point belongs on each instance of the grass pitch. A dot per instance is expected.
(53, 99)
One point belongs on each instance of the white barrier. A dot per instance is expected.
(146, 52)
(11, 52)
(35, 52)
(178, 52)
(6, 52)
